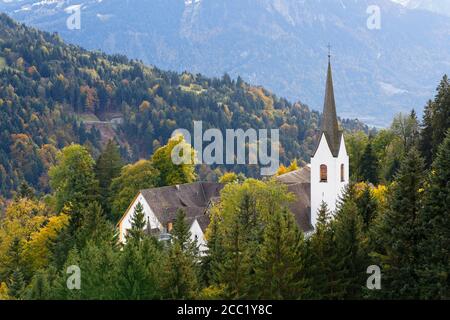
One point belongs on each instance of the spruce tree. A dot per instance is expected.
(321, 259)
(436, 122)
(16, 284)
(211, 262)
(367, 207)
(426, 134)
(369, 165)
(435, 222)
(279, 269)
(94, 227)
(180, 232)
(351, 262)
(136, 233)
(181, 276)
(399, 231)
(108, 167)
(238, 246)
(139, 275)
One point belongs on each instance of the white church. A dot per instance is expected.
(324, 180)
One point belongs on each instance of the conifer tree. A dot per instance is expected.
(321, 258)
(436, 122)
(108, 167)
(279, 269)
(139, 271)
(367, 207)
(16, 284)
(94, 226)
(136, 232)
(399, 231)
(181, 277)
(40, 288)
(435, 222)
(369, 165)
(182, 268)
(426, 134)
(180, 232)
(351, 262)
(211, 262)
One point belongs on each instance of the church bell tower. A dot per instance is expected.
(330, 161)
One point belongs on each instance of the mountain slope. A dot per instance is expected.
(280, 44)
(53, 94)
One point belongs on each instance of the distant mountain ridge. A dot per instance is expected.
(280, 44)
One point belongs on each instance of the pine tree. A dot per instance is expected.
(181, 278)
(369, 165)
(211, 262)
(436, 122)
(25, 191)
(279, 269)
(426, 134)
(16, 284)
(367, 207)
(94, 226)
(108, 167)
(435, 222)
(399, 231)
(321, 259)
(180, 232)
(40, 288)
(139, 271)
(351, 263)
(237, 262)
(136, 233)
(441, 114)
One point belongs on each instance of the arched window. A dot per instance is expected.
(323, 173)
(342, 173)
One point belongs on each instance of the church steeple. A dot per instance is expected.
(330, 125)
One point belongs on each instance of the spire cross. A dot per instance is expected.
(329, 51)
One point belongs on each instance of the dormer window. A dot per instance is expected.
(342, 173)
(323, 173)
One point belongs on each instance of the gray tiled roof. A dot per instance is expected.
(192, 198)
(299, 183)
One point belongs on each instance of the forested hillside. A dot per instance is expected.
(53, 94)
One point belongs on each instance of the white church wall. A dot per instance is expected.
(125, 224)
(343, 158)
(331, 190)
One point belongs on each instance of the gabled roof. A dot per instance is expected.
(299, 183)
(192, 198)
(330, 126)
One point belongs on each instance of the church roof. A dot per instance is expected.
(330, 126)
(299, 183)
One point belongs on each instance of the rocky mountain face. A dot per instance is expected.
(280, 44)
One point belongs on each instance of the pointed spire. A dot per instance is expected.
(329, 121)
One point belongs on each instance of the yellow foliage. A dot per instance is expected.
(359, 188)
(145, 105)
(22, 218)
(292, 167)
(212, 293)
(36, 251)
(229, 177)
(258, 92)
(380, 193)
(4, 291)
(281, 170)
